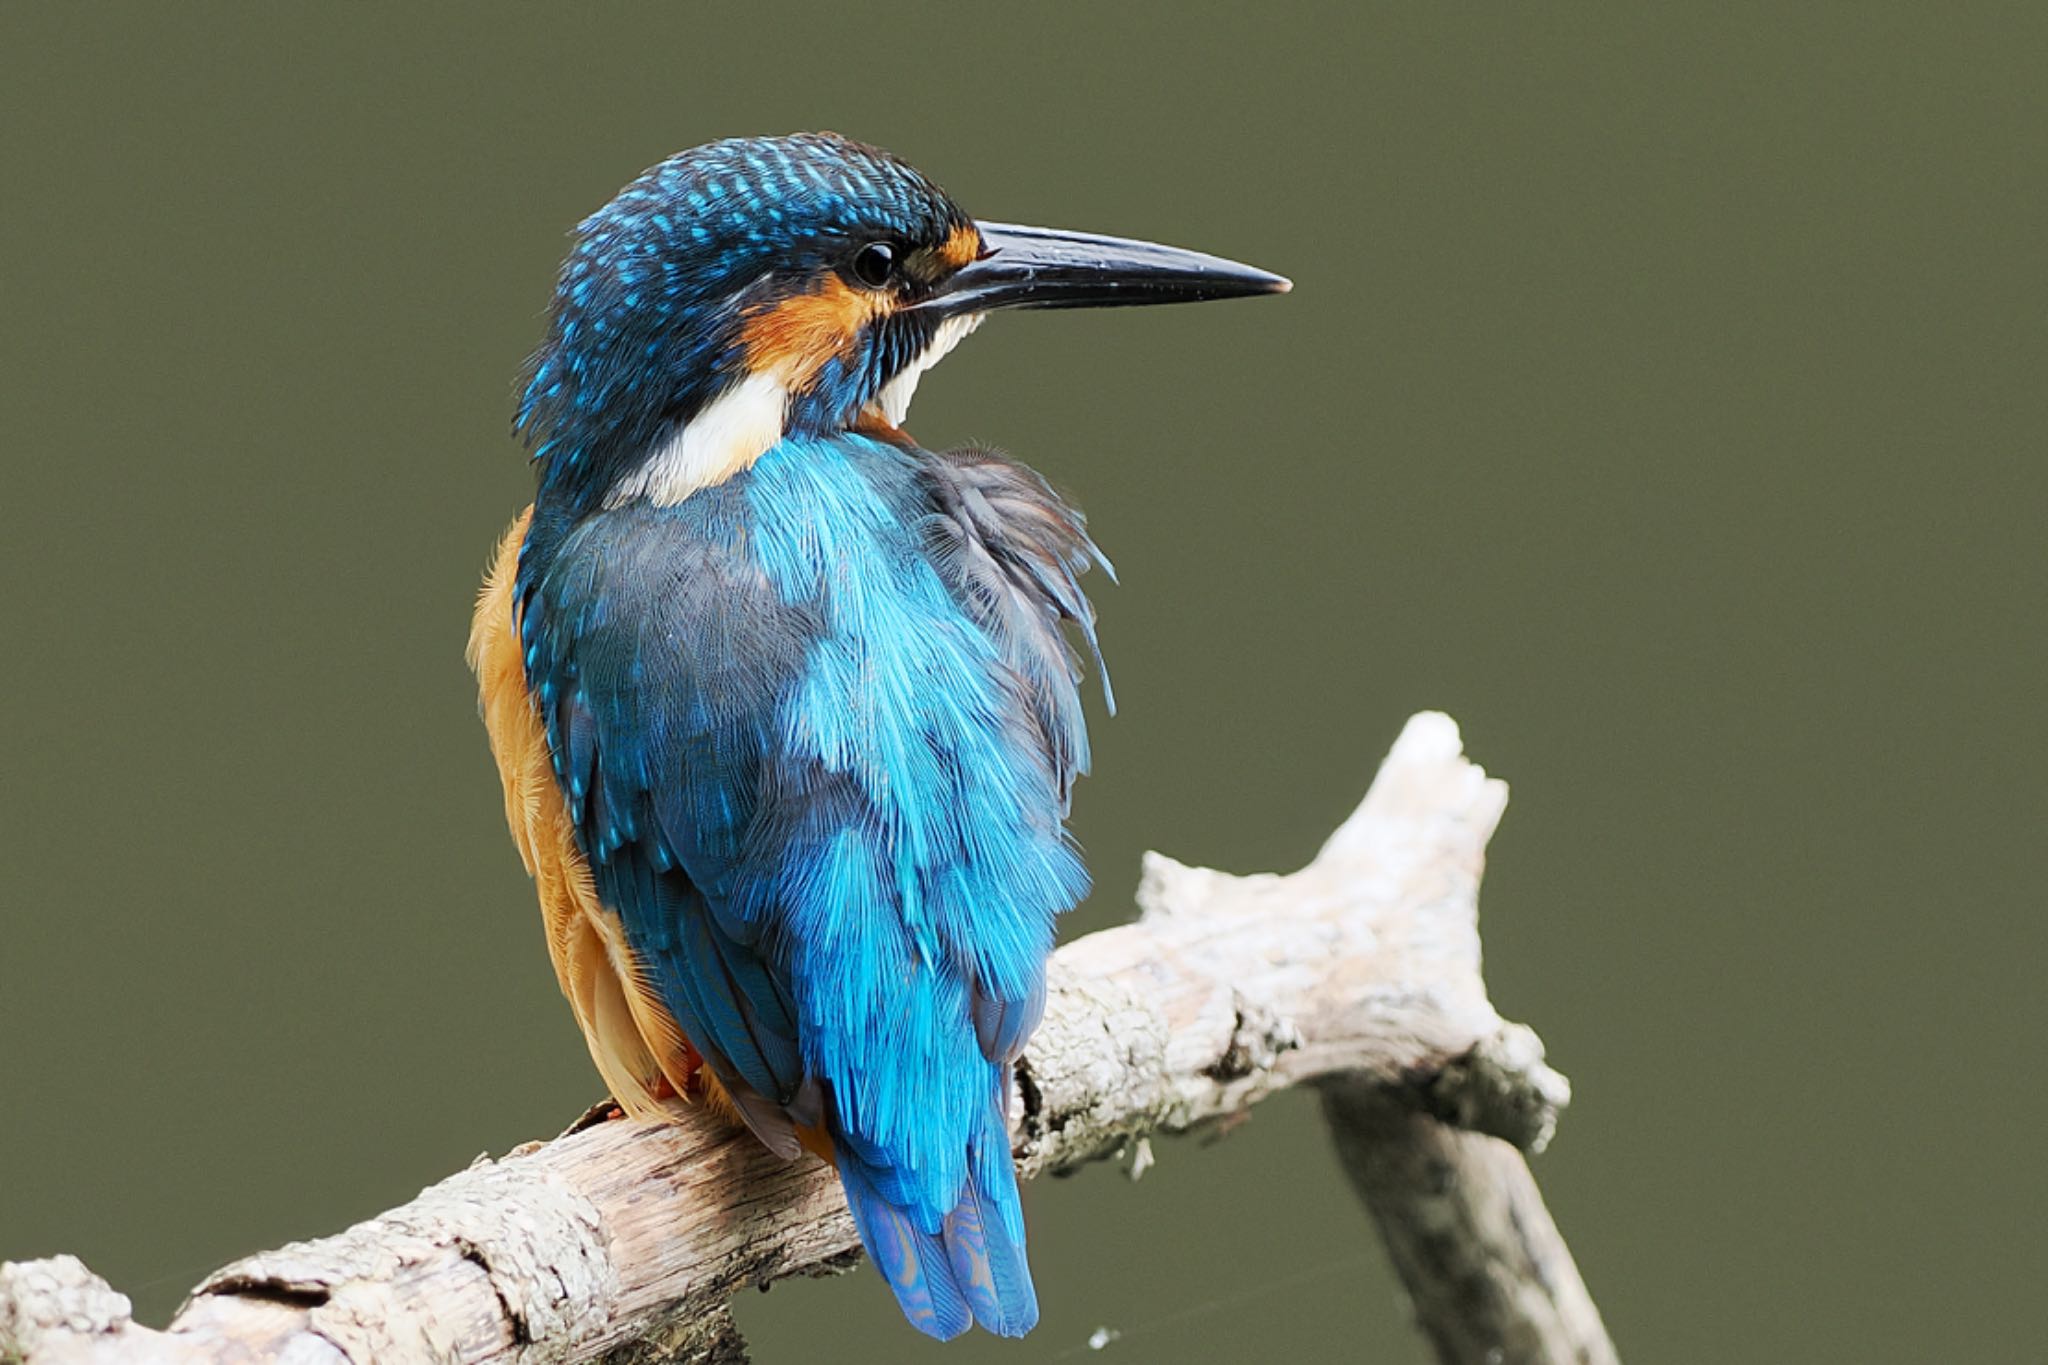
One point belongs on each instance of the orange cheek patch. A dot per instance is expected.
(962, 248)
(798, 335)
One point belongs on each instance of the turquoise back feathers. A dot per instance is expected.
(818, 726)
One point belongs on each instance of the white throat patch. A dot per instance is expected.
(894, 399)
(733, 430)
(745, 422)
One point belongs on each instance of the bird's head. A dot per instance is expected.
(761, 287)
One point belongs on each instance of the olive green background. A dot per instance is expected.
(1662, 395)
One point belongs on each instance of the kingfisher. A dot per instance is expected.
(786, 706)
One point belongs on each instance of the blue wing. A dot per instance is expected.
(655, 651)
(1011, 553)
(818, 728)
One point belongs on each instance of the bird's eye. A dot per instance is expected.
(874, 265)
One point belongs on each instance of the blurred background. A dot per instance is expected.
(1662, 395)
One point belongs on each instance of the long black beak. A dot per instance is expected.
(1032, 267)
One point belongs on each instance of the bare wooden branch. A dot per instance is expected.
(625, 1240)
(1488, 1276)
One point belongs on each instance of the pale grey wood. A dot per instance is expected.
(627, 1239)
(1488, 1276)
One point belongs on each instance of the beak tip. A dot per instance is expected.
(1252, 282)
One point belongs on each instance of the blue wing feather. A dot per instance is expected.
(913, 1262)
(657, 782)
(984, 1236)
(819, 726)
(1004, 1026)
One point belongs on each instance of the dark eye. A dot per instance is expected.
(874, 265)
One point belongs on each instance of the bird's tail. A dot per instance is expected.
(970, 1268)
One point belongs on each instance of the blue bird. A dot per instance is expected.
(785, 705)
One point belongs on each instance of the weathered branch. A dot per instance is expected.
(625, 1240)
(1488, 1275)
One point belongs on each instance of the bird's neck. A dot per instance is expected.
(719, 445)
(725, 437)
(589, 460)
(617, 455)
